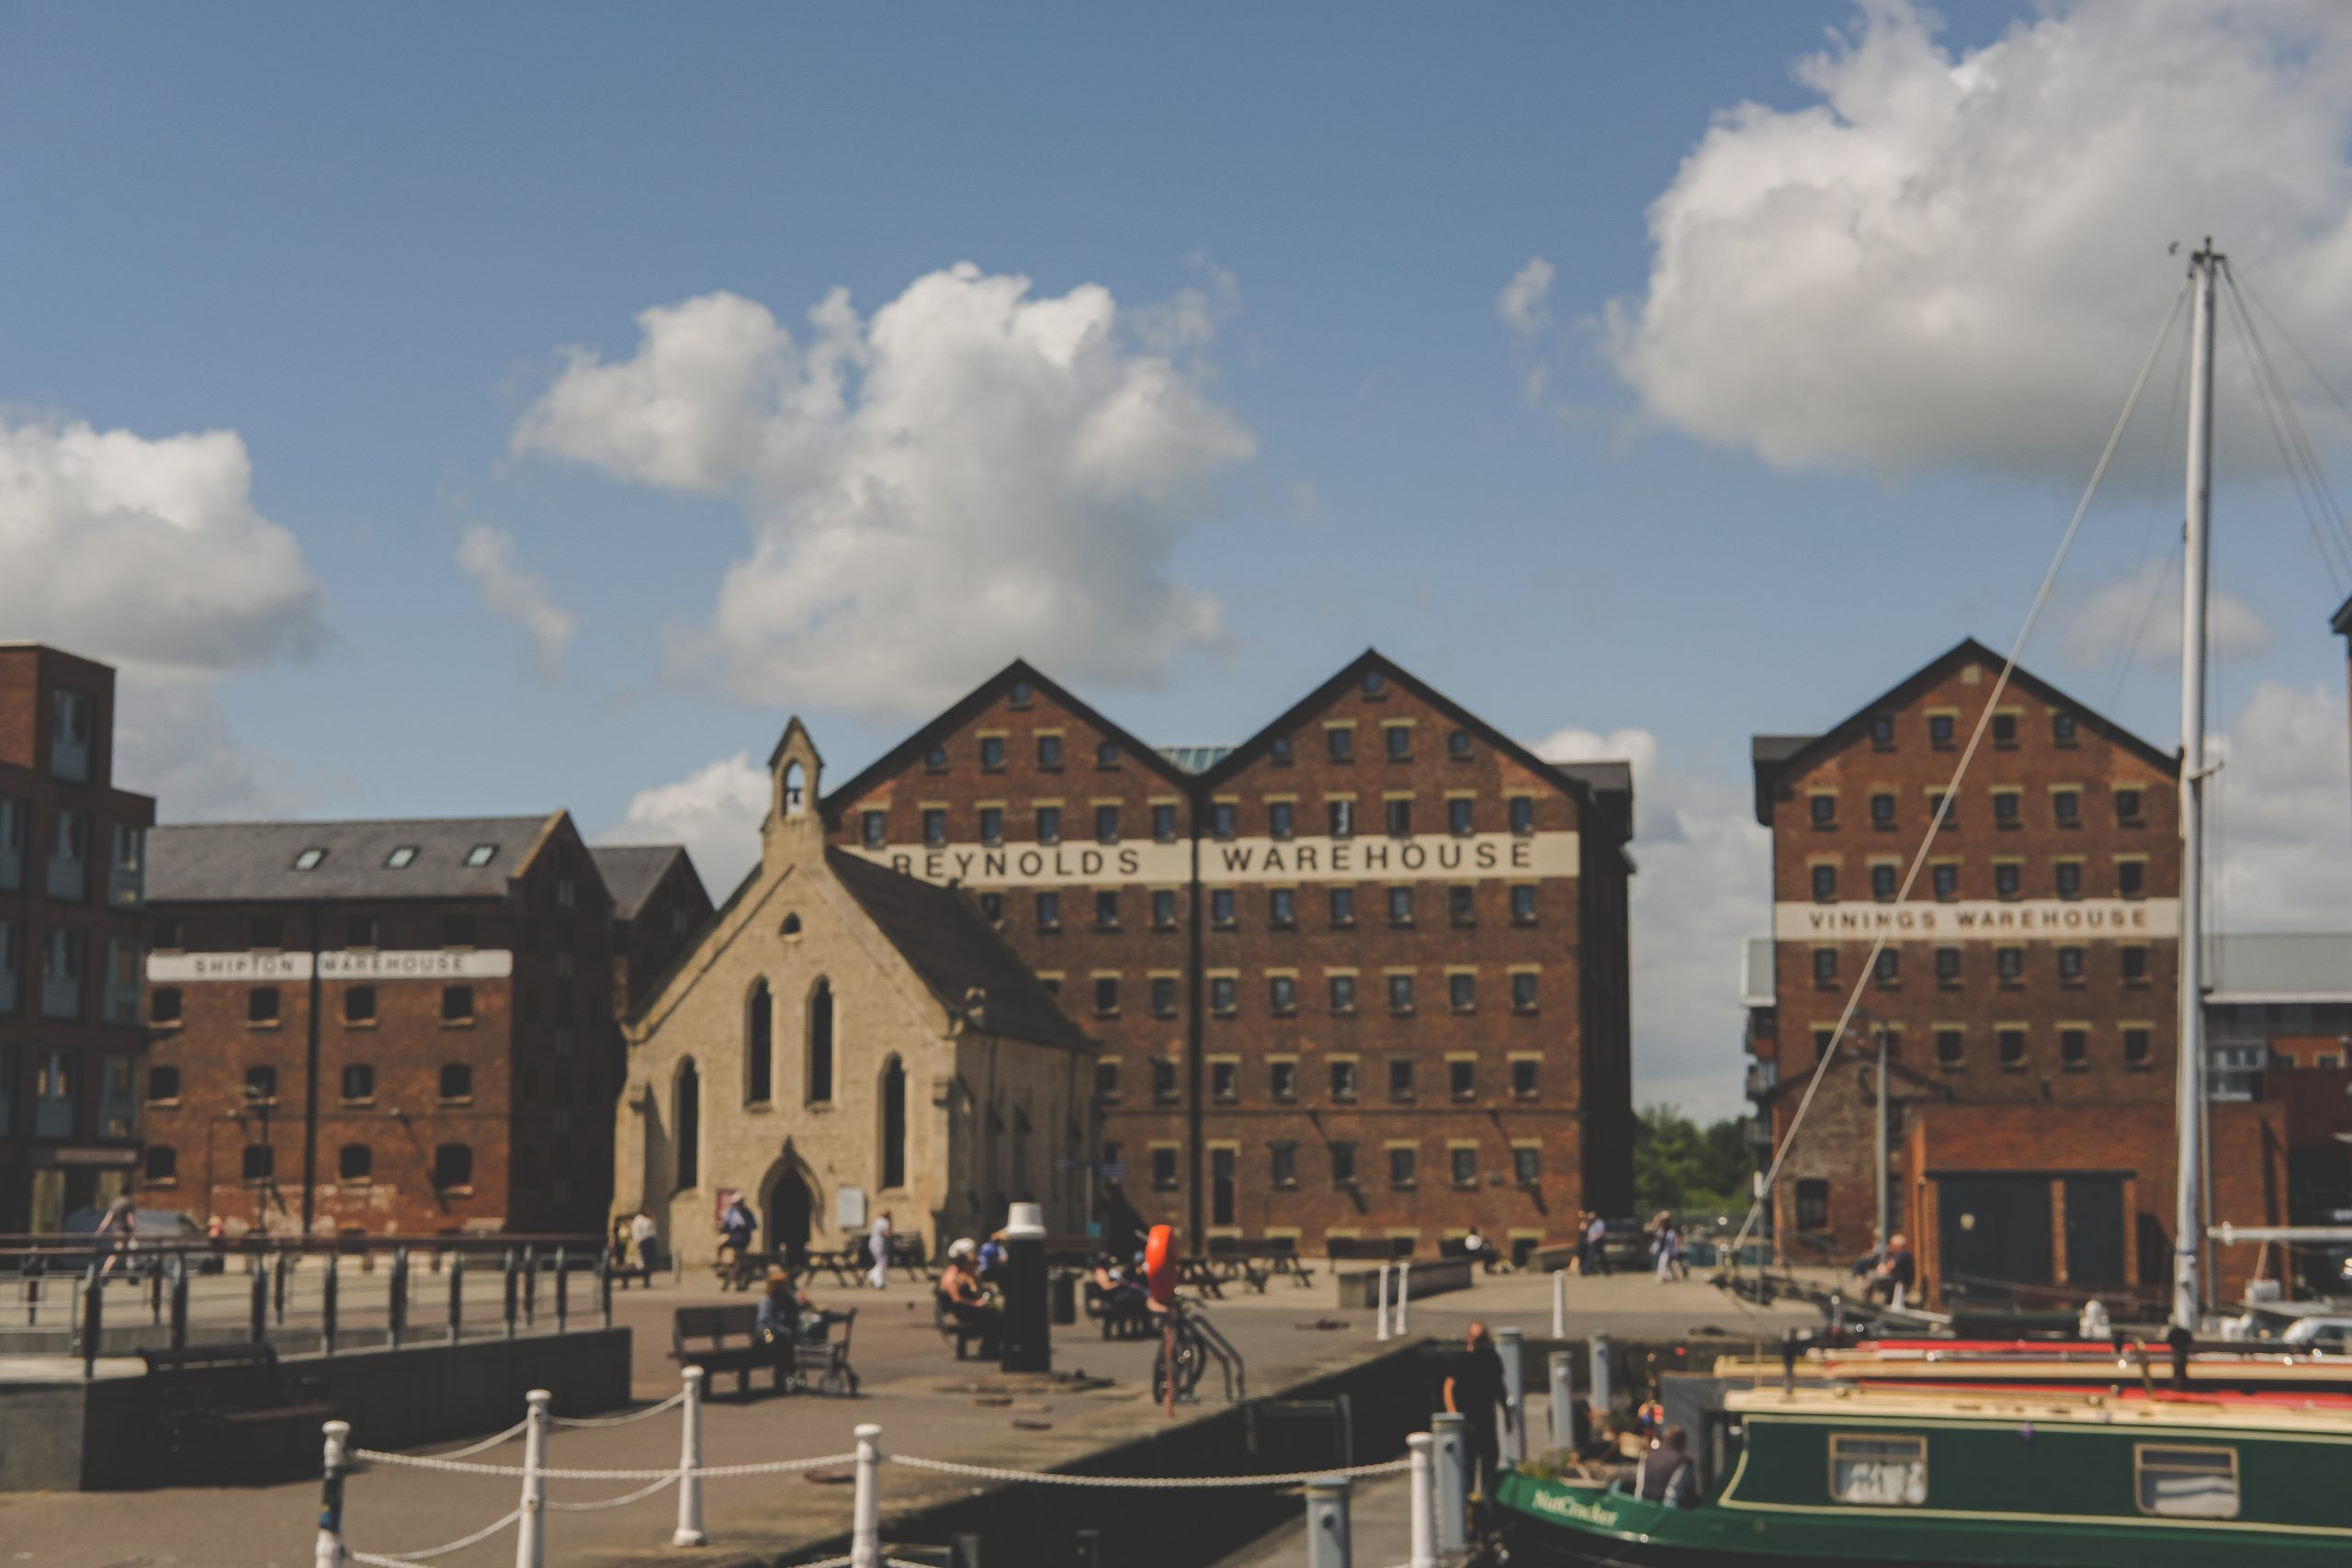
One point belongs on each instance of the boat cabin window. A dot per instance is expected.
(2186, 1483)
(1878, 1471)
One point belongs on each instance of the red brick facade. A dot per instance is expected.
(72, 927)
(469, 1088)
(2034, 965)
(1189, 922)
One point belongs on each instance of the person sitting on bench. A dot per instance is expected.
(966, 1299)
(1119, 1291)
(788, 1314)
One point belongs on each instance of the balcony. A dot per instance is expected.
(1762, 1078)
(126, 873)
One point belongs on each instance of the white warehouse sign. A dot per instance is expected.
(478, 964)
(1978, 920)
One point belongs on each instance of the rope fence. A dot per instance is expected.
(1438, 1464)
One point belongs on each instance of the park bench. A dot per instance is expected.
(1130, 1319)
(727, 1339)
(961, 1335)
(741, 1271)
(847, 1265)
(204, 1393)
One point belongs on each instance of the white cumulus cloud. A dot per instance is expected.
(971, 473)
(1958, 258)
(1702, 890)
(1525, 303)
(2281, 817)
(2138, 609)
(715, 812)
(486, 554)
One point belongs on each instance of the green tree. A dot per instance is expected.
(1697, 1172)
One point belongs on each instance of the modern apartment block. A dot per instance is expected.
(71, 924)
(1360, 981)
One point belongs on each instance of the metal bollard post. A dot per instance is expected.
(865, 1518)
(1601, 1394)
(563, 1293)
(1424, 1548)
(514, 1286)
(1559, 1303)
(94, 1320)
(1404, 1292)
(155, 1297)
(396, 1307)
(605, 1288)
(457, 1296)
(1511, 1343)
(328, 1289)
(1562, 1366)
(1452, 1481)
(530, 1288)
(330, 1548)
(261, 1298)
(531, 1530)
(179, 1301)
(277, 1286)
(1328, 1545)
(690, 1531)
(1382, 1332)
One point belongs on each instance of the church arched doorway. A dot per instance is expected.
(791, 1209)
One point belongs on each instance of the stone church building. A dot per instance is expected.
(843, 1039)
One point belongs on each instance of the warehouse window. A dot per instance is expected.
(260, 1162)
(1950, 1047)
(359, 1004)
(261, 1084)
(1163, 1171)
(163, 1004)
(456, 1004)
(163, 1083)
(876, 827)
(163, 1165)
(357, 1162)
(453, 1168)
(458, 1080)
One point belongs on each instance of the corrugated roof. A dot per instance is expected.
(245, 862)
(631, 873)
(942, 933)
(1756, 988)
(2280, 966)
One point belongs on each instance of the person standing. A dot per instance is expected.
(645, 1243)
(877, 1247)
(122, 1220)
(735, 1227)
(1596, 1245)
(1474, 1390)
(1662, 1245)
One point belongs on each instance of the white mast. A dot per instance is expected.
(2190, 1102)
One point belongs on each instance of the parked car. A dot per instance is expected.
(2331, 1334)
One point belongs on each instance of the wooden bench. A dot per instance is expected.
(727, 1339)
(847, 1265)
(1131, 1319)
(741, 1272)
(206, 1391)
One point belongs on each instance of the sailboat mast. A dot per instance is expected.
(2190, 1088)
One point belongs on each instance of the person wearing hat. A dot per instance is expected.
(781, 1310)
(965, 1298)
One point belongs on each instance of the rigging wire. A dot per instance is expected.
(1952, 791)
(2161, 576)
(2322, 514)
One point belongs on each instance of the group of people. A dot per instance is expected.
(634, 1247)
(1890, 1274)
(1666, 1248)
(1663, 1469)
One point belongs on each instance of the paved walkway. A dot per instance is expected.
(925, 1402)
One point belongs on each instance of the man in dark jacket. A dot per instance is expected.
(1474, 1390)
(1666, 1473)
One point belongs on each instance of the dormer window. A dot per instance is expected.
(480, 854)
(1375, 684)
(398, 858)
(309, 859)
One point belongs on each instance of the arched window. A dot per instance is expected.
(795, 794)
(820, 1044)
(685, 1121)
(894, 1125)
(759, 1046)
(791, 925)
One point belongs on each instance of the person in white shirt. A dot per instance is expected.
(878, 1246)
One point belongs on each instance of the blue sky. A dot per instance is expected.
(363, 242)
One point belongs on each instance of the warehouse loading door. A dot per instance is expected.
(1995, 1230)
(2095, 1230)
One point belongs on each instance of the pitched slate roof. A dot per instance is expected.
(1775, 756)
(250, 861)
(632, 872)
(954, 949)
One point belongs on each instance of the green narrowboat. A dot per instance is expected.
(1844, 1475)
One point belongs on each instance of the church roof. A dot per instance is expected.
(955, 950)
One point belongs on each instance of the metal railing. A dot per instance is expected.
(72, 1296)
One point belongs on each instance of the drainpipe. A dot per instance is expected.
(310, 1086)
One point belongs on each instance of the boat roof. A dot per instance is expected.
(1848, 1401)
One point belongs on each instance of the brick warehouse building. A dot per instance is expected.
(394, 1027)
(1361, 983)
(72, 859)
(2026, 1001)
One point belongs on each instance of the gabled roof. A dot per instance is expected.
(969, 706)
(1776, 756)
(955, 950)
(1606, 786)
(254, 861)
(631, 873)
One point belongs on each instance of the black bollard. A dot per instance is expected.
(2180, 1339)
(1028, 1337)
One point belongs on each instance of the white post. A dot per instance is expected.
(1601, 1392)
(330, 1548)
(1328, 1545)
(690, 1531)
(1383, 1304)
(1562, 1366)
(1452, 1481)
(866, 1519)
(1510, 1345)
(1559, 1303)
(531, 1530)
(1404, 1292)
(1424, 1549)
(2189, 1088)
